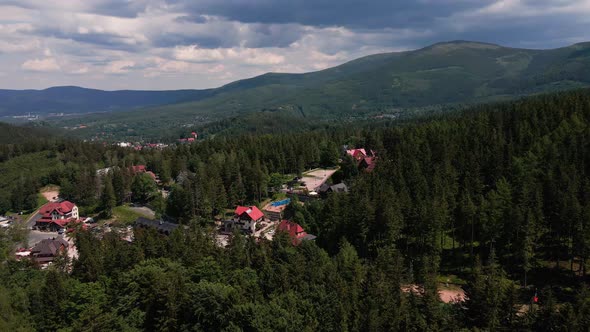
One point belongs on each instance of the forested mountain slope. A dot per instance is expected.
(446, 73)
(495, 198)
(71, 99)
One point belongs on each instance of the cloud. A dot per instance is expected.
(252, 56)
(42, 65)
(119, 67)
(167, 44)
(18, 46)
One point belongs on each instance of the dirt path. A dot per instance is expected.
(451, 294)
(447, 294)
(51, 193)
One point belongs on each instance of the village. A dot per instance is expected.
(52, 228)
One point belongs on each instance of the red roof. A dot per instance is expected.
(151, 174)
(296, 232)
(191, 139)
(357, 153)
(194, 134)
(60, 222)
(138, 169)
(251, 211)
(60, 207)
(369, 163)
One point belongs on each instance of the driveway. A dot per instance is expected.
(33, 219)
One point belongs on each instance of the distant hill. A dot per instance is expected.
(458, 72)
(71, 99)
(10, 134)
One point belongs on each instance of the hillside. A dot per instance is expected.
(491, 202)
(10, 134)
(71, 99)
(446, 73)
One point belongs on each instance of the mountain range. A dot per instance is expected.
(457, 72)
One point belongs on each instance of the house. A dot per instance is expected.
(245, 219)
(46, 250)
(336, 188)
(152, 175)
(138, 169)
(365, 158)
(162, 227)
(274, 210)
(357, 154)
(295, 231)
(56, 215)
(367, 164)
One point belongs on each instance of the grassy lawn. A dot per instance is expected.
(123, 215)
(279, 196)
(41, 200)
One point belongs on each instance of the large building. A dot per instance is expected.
(162, 227)
(245, 219)
(56, 215)
(47, 250)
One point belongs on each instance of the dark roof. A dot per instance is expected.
(324, 188)
(309, 237)
(161, 226)
(49, 247)
(339, 188)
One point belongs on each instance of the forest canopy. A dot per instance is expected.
(495, 198)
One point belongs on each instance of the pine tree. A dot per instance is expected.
(107, 198)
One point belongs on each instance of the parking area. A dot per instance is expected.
(37, 236)
(314, 179)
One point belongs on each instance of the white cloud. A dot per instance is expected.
(79, 71)
(119, 67)
(196, 54)
(43, 65)
(251, 56)
(17, 46)
(152, 44)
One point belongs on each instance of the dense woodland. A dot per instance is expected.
(497, 196)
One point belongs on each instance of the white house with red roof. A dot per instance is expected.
(245, 219)
(295, 231)
(56, 215)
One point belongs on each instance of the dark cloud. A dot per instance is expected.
(226, 34)
(103, 40)
(349, 13)
(180, 39)
(119, 8)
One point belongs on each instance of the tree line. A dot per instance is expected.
(497, 195)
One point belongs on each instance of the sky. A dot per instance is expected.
(195, 44)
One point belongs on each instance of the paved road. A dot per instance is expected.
(33, 219)
(37, 236)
